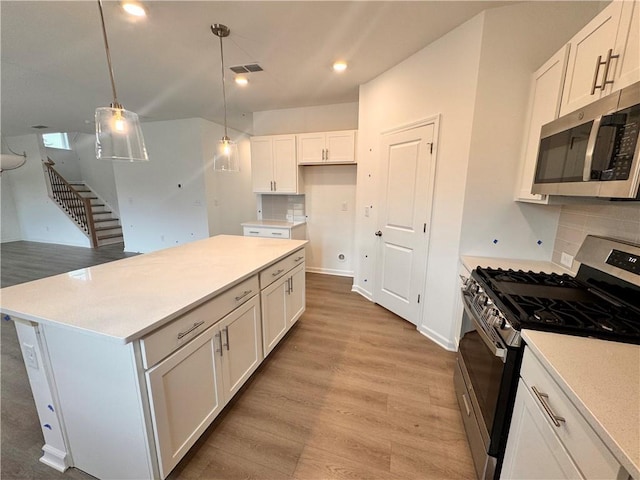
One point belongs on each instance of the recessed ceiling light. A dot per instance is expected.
(134, 8)
(340, 66)
(242, 81)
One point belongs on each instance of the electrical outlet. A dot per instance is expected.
(30, 357)
(566, 260)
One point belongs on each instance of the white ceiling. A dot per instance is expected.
(54, 70)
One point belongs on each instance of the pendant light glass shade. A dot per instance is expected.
(10, 161)
(119, 136)
(226, 158)
(118, 132)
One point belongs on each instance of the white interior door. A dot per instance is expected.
(406, 190)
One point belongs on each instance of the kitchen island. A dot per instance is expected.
(130, 361)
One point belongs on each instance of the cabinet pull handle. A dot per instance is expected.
(278, 272)
(291, 283)
(326, 157)
(466, 404)
(226, 335)
(275, 186)
(595, 85)
(219, 337)
(244, 294)
(184, 334)
(288, 288)
(542, 398)
(298, 258)
(276, 233)
(254, 232)
(607, 65)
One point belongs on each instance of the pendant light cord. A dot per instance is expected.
(108, 52)
(224, 92)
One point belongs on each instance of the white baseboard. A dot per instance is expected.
(329, 271)
(363, 292)
(437, 338)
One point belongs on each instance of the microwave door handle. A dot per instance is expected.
(591, 147)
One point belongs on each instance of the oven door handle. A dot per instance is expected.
(496, 348)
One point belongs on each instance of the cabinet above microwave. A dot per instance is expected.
(593, 151)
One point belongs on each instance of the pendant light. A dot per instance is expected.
(226, 155)
(118, 132)
(11, 161)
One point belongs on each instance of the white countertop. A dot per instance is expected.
(471, 262)
(602, 379)
(272, 223)
(126, 299)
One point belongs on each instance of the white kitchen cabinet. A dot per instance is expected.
(545, 95)
(327, 148)
(283, 301)
(185, 397)
(273, 165)
(603, 57)
(188, 389)
(548, 437)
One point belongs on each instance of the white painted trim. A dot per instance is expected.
(437, 338)
(330, 271)
(361, 291)
(54, 458)
(435, 119)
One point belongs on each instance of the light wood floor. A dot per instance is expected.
(353, 392)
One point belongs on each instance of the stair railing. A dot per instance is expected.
(77, 207)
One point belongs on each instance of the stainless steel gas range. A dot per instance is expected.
(602, 301)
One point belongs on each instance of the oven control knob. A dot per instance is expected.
(497, 320)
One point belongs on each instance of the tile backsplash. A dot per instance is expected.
(615, 220)
(289, 208)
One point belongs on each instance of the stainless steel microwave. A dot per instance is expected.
(593, 152)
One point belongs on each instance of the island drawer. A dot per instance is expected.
(278, 269)
(160, 343)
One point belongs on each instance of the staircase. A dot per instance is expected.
(107, 226)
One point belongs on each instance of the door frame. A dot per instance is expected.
(430, 120)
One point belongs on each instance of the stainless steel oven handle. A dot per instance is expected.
(591, 146)
(497, 350)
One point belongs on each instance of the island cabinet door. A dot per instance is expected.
(241, 334)
(295, 298)
(274, 313)
(185, 396)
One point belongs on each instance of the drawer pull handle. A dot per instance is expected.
(298, 259)
(543, 397)
(466, 404)
(278, 272)
(244, 294)
(184, 334)
(276, 233)
(253, 232)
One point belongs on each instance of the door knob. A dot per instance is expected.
(378, 233)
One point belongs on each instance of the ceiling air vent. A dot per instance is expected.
(251, 68)
(39, 127)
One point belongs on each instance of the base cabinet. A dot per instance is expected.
(282, 304)
(548, 437)
(189, 388)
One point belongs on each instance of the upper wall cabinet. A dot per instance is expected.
(544, 106)
(273, 164)
(327, 148)
(604, 56)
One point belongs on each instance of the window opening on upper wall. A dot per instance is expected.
(58, 140)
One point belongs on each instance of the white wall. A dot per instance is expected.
(440, 79)
(40, 219)
(512, 229)
(66, 162)
(9, 222)
(97, 174)
(330, 230)
(475, 78)
(230, 200)
(176, 197)
(163, 202)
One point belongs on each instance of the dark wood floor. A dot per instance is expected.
(353, 392)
